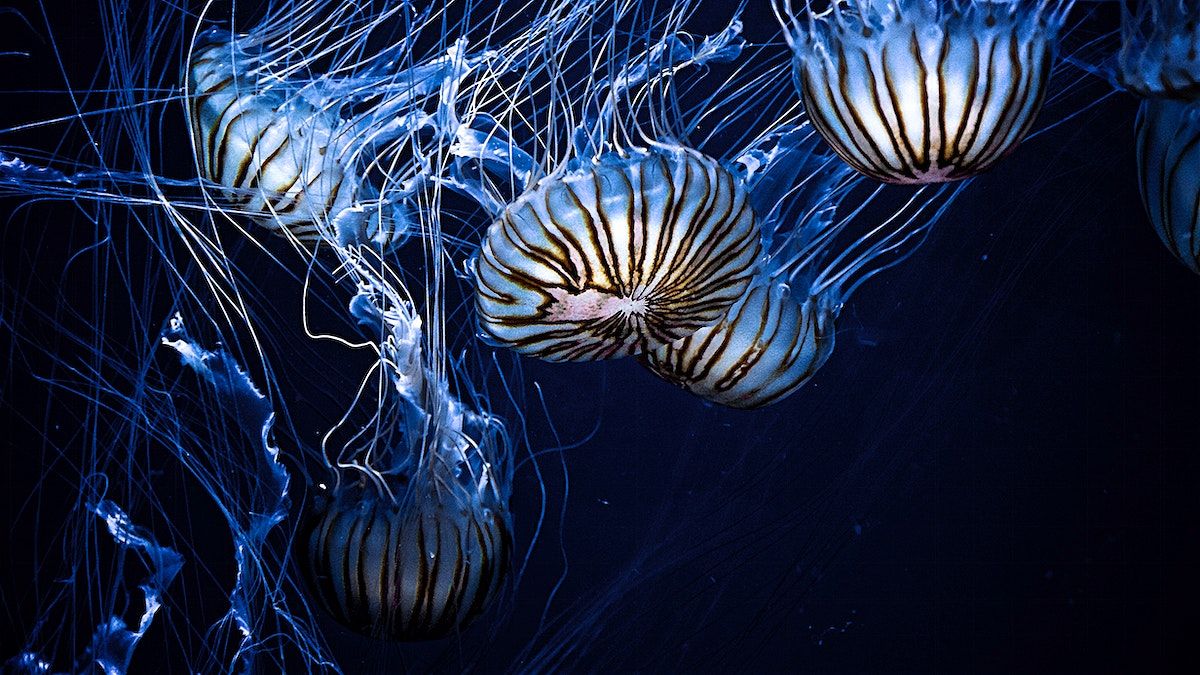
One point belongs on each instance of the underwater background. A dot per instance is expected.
(997, 470)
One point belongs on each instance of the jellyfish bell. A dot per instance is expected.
(278, 156)
(766, 347)
(1168, 154)
(633, 237)
(416, 552)
(916, 91)
(417, 571)
(1160, 61)
(617, 256)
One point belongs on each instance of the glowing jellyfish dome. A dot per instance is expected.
(413, 539)
(1160, 61)
(617, 257)
(321, 123)
(923, 91)
(630, 240)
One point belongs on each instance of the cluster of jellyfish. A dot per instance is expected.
(603, 223)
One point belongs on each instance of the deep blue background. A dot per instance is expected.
(996, 471)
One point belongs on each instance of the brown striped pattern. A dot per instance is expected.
(276, 152)
(764, 349)
(620, 257)
(417, 574)
(1168, 152)
(920, 103)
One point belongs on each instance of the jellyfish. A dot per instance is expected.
(632, 239)
(762, 350)
(312, 130)
(618, 257)
(782, 330)
(1158, 61)
(277, 143)
(413, 540)
(918, 91)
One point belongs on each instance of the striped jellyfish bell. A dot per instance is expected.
(1160, 61)
(924, 91)
(767, 346)
(277, 157)
(1168, 152)
(406, 573)
(617, 257)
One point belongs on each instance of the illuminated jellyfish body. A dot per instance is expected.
(924, 91)
(618, 257)
(766, 347)
(619, 249)
(1160, 61)
(413, 540)
(777, 335)
(325, 156)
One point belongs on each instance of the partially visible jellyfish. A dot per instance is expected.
(1159, 57)
(764, 349)
(822, 244)
(413, 539)
(1160, 61)
(313, 130)
(923, 91)
(631, 239)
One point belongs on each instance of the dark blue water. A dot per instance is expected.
(995, 472)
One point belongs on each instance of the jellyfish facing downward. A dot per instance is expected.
(625, 245)
(781, 331)
(1160, 61)
(920, 91)
(412, 541)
